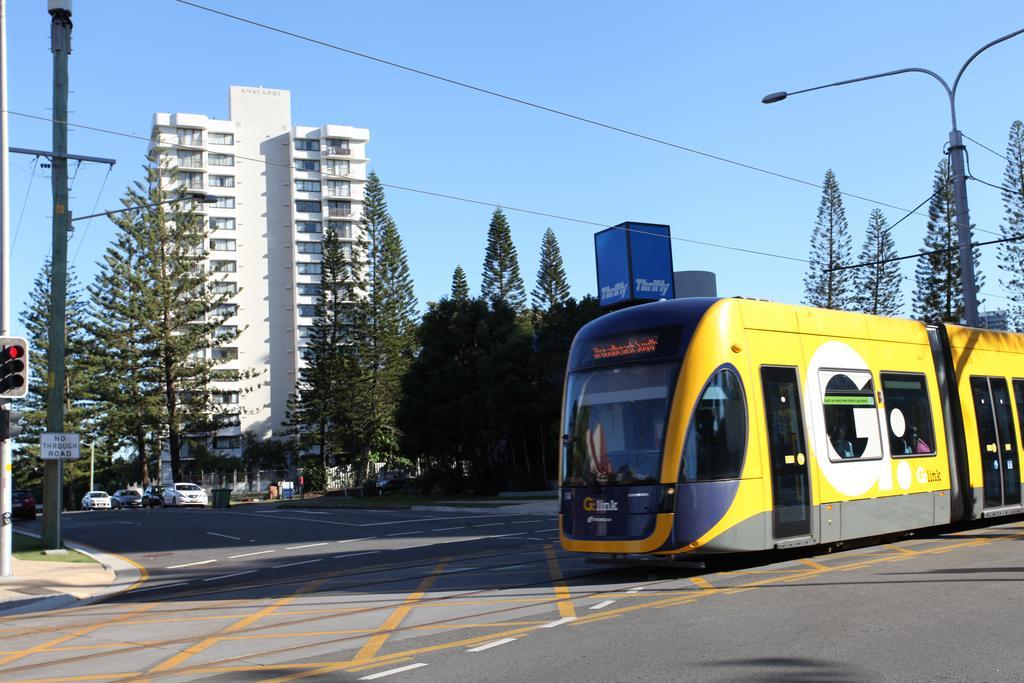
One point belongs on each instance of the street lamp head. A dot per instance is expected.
(774, 97)
(201, 198)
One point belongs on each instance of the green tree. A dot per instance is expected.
(383, 327)
(317, 415)
(170, 301)
(460, 288)
(827, 284)
(552, 284)
(79, 407)
(939, 294)
(1011, 254)
(877, 286)
(501, 278)
(36, 320)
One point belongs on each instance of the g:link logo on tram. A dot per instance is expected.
(591, 505)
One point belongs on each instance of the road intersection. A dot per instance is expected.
(365, 594)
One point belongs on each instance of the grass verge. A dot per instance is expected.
(30, 549)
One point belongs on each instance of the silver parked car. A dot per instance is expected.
(126, 498)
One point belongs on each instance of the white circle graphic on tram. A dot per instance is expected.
(903, 475)
(897, 423)
(840, 402)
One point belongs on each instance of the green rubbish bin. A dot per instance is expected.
(222, 498)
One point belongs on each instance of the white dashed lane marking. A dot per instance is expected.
(354, 540)
(450, 528)
(368, 552)
(559, 622)
(405, 533)
(214, 533)
(488, 646)
(493, 524)
(308, 545)
(258, 552)
(602, 605)
(191, 564)
(399, 670)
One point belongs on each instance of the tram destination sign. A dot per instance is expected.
(58, 446)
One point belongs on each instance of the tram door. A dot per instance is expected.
(998, 441)
(791, 492)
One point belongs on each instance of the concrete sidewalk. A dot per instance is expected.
(40, 586)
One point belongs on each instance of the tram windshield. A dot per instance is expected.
(614, 424)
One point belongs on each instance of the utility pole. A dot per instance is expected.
(53, 481)
(963, 225)
(6, 475)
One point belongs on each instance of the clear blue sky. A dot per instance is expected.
(691, 73)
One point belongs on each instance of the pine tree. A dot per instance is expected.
(314, 414)
(552, 284)
(384, 323)
(170, 302)
(877, 286)
(827, 284)
(1011, 254)
(460, 288)
(79, 409)
(501, 280)
(939, 296)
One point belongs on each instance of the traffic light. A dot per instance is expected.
(10, 424)
(13, 367)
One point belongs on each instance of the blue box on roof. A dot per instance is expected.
(634, 264)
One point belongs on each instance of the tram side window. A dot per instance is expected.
(717, 437)
(908, 414)
(851, 417)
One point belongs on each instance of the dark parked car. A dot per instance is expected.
(153, 497)
(389, 481)
(23, 504)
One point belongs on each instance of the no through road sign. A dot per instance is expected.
(54, 446)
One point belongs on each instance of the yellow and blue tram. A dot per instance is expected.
(702, 426)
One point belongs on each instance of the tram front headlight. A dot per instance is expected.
(668, 500)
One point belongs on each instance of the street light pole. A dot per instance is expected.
(957, 167)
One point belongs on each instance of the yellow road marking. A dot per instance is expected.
(814, 565)
(377, 665)
(374, 644)
(71, 636)
(88, 677)
(565, 606)
(244, 622)
(702, 583)
(899, 548)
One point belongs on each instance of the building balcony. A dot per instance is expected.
(337, 151)
(339, 213)
(337, 194)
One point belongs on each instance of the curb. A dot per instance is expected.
(127, 575)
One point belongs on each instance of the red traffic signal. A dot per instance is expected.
(13, 367)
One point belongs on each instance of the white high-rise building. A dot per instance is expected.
(278, 188)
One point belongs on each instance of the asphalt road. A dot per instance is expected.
(266, 594)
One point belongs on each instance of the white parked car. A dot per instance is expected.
(96, 500)
(185, 494)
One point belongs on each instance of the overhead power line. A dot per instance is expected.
(1014, 238)
(402, 188)
(526, 103)
(984, 146)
